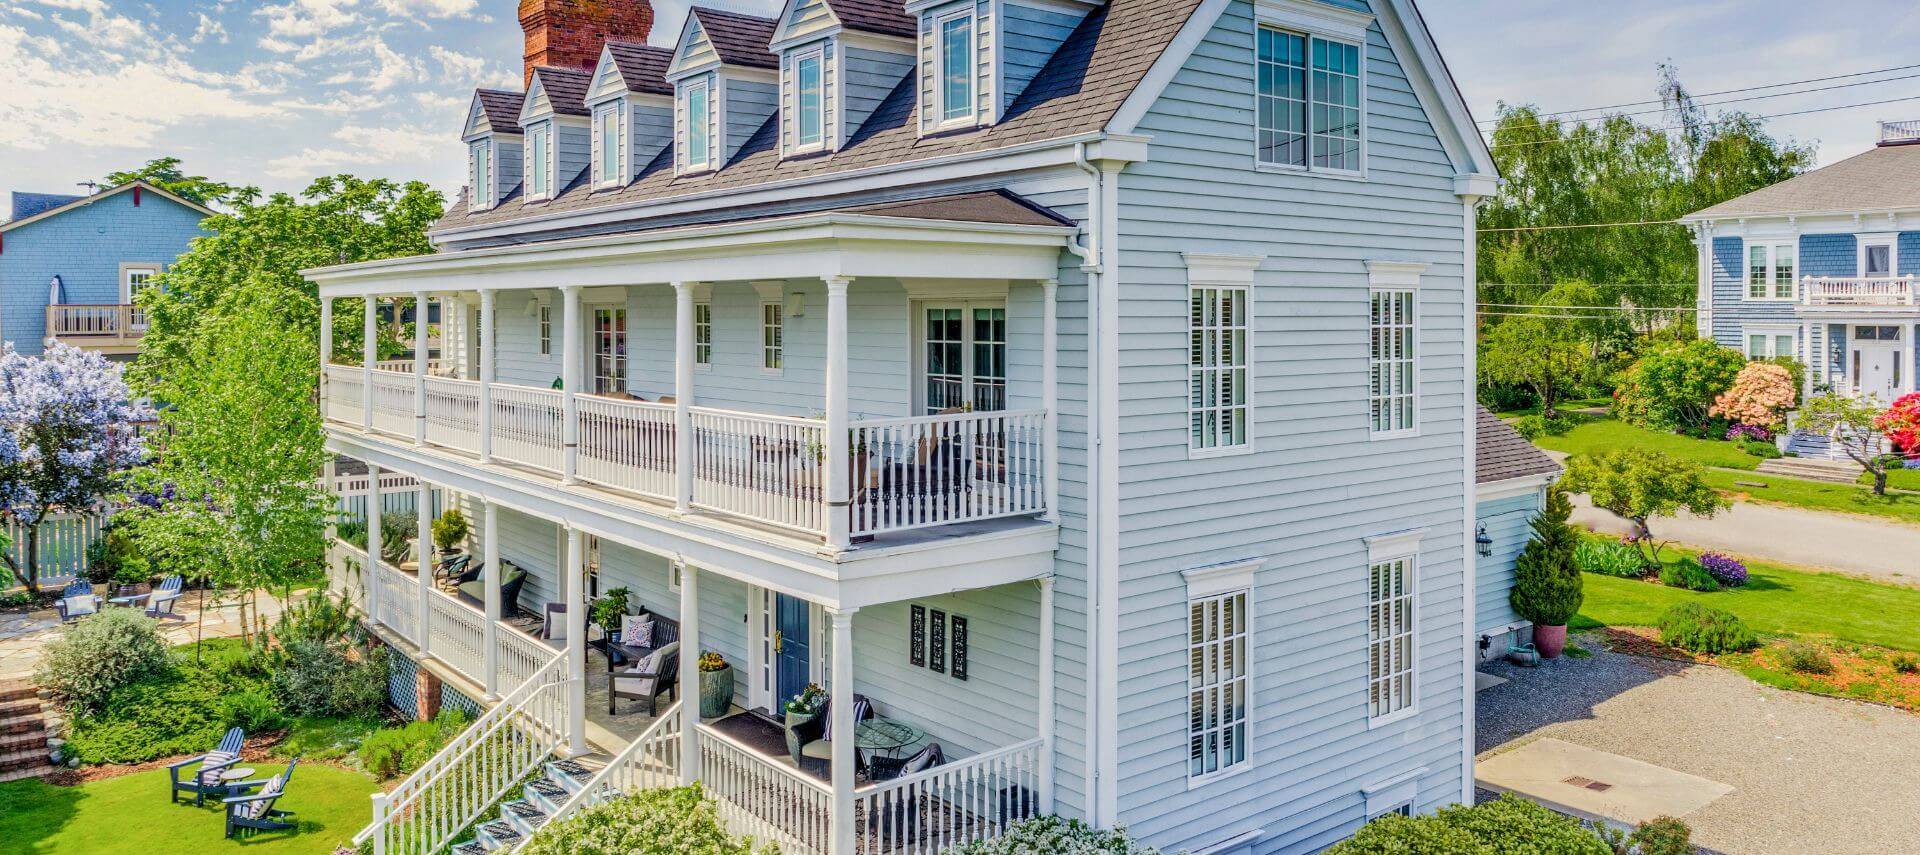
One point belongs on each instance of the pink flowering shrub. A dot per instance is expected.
(1760, 393)
(1901, 424)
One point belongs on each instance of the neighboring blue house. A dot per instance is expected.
(70, 265)
(1082, 387)
(1823, 267)
(1512, 476)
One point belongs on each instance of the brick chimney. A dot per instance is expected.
(569, 33)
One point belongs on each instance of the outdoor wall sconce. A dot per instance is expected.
(1482, 543)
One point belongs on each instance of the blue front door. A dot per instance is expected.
(793, 666)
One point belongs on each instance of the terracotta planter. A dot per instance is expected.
(716, 692)
(1549, 640)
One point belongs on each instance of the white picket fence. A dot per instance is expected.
(64, 539)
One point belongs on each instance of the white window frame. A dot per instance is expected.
(623, 355)
(773, 337)
(1386, 286)
(540, 163)
(480, 173)
(1771, 333)
(706, 127)
(1213, 368)
(1889, 240)
(943, 121)
(610, 151)
(127, 271)
(703, 335)
(1221, 584)
(1315, 21)
(1773, 293)
(1403, 549)
(818, 56)
(544, 312)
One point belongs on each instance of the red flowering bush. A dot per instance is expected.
(1901, 424)
(1760, 393)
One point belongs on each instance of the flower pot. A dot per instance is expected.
(716, 692)
(1549, 640)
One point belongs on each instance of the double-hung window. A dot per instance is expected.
(958, 65)
(1769, 343)
(1770, 271)
(1392, 365)
(539, 166)
(1309, 102)
(809, 101)
(773, 350)
(606, 128)
(1217, 633)
(1391, 654)
(1217, 387)
(703, 335)
(481, 195)
(1878, 256)
(699, 127)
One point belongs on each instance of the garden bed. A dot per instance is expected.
(1856, 671)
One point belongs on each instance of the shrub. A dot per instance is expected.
(178, 710)
(1691, 626)
(1762, 450)
(314, 678)
(1609, 558)
(394, 751)
(671, 821)
(1509, 824)
(449, 529)
(1901, 423)
(1725, 569)
(99, 654)
(1806, 658)
(113, 558)
(1640, 484)
(1905, 663)
(252, 710)
(1674, 387)
(395, 529)
(1761, 393)
(320, 617)
(1687, 573)
(1546, 586)
(1534, 427)
(1047, 835)
(1662, 835)
(1744, 432)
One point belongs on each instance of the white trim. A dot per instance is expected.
(1771, 331)
(1169, 63)
(1490, 491)
(1315, 18)
(1213, 580)
(615, 111)
(128, 268)
(1244, 632)
(1243, 296)
(781, 328)
(1399, 544)
(1891, 240)
(1393, 793)
(817, 53)
(941, 121)
(1221, 270)
(1419, 350)
(88, 200)
(1310, 34)
(683, 117)
(1395, 274)
(1410, 559)
(959, 291)
(1772, 246)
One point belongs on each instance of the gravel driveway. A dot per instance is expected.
(1810, 774)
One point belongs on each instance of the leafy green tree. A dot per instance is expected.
(1538, 352)
(233, 498)
(337, 220)
(1850, 421)
(165, 173)
(1547, 585)
(1674, 387)
(1638, 484)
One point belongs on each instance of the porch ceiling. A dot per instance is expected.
(852, 243)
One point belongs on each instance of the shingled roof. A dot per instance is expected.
(1502, 454)
(642, 67)
(1884, 177)
(738, 39)
(566, 89)
(1101, 62)
(502, 109)
(28, 204)
(874, 16)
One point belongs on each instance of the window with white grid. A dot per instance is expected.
(1217, 368)
(546, 330)
(1390, 646)
(1216, 684)
(1392, 363)
(703, 334)
(772, 336)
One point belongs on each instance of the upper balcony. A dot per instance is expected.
(105, 327)
(1856, 292)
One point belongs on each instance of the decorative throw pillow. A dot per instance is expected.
(79, 606)
(556, 626)
(636, 630)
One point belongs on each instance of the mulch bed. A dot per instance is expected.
(257, 749)
(1859, 672)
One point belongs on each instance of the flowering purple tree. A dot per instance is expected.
(66, 435)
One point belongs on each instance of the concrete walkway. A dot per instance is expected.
(1884, 550)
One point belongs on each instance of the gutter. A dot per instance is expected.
(1091, 267)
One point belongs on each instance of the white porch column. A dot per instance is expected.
(369, 354)
(423, 553)
(576, 585)
(570, 358)
(420, 381)
(490, 579)
(683, 395)
(1046, 701)
(372, 571)
(487, 301)
(840, 713)
(689, 691)
(839, 494)
(326, 357)
(1050, 397)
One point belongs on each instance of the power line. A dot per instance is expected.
(1606, 308)
(1580, 226)
(1740, 100)
(1536, 315)
(1723, 92)
(1726, 121)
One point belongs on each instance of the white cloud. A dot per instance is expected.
(390, 68)
(305, 19)
(209, 28)
(455, 66)
(362, 145)
(411, 9)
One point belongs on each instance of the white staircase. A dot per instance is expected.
(541, 799)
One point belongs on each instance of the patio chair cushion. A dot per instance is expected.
(636, 630)
(927, 758)
(862, 710)
(818, 749)
(211, 776)
(257, 809)
(82, 605)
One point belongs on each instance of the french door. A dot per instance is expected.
(609, 350)
(963, 361)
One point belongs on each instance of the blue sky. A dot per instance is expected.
(274, 93)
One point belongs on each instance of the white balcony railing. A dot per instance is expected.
(396, 600)
(98, 320)
(457, 635)
(1907, 130)
(971, 799)
(763, 799)
(405, 366)
(903, 473)
(1856, 291)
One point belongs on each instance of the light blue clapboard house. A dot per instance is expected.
(1823, 267)
(1512, 477)
(1080, 386)
(71, 265)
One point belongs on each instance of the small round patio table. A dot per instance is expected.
(235, 776)
(885, 734)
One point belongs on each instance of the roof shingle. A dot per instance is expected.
(30, 204)
(886, 17)
(738, 39)
(502, 109)
(566, 89)
(642, 67)
(1884, 177)
(1502, 454)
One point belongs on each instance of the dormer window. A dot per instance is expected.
(539, 162)
(480, 192)
(1310, 85)
(955, 101)
(699, 133)
(607, 142)
(809, 100)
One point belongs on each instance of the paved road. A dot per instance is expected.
(1811, 774)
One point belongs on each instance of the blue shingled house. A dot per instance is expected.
(70, 265)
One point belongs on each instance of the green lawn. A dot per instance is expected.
(1774, 600)
(1819, 495)
(1603, 434)
(129, 815)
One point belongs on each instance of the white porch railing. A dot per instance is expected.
(405, 366)
(343, 394)
(521, 655)
(626, 445)
(768, 468)
(971, 799)
(763, 799)
(934, 470)
(453, 413)
(527, 426)
(454, 788)
(393, 402)
(122, 320)
(650, 761)
(1855, 291)
(347, 573)
(397, 598)
(457, 635)
(1902, 131)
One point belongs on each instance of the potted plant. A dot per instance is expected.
(801, 710)
(608, 610)
(716, 685)
(1546, 586)
(450, 530)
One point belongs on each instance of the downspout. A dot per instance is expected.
(1090, 266)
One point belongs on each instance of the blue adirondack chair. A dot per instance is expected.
(79, 589)
(256, 812)
(205, 780)
(161, 601)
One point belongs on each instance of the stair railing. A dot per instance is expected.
(449, 792)
(650, 761)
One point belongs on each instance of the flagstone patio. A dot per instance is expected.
(24, 633)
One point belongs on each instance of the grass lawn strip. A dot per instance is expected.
(1815, 495)
(1858, 672)
(130, 815)
(1602, 434)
